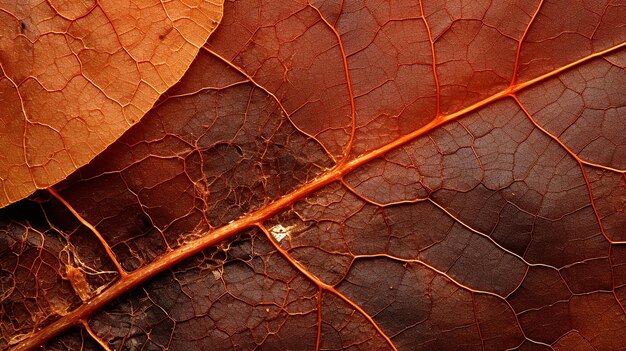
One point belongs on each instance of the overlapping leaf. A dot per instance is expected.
(75, 75)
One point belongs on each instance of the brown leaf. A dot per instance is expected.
(356, 175)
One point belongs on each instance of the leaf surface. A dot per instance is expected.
(75, 75)
(349, 176)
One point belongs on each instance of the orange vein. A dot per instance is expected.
(519, 46)
(95, 337)
(434, 57)
(325, 286)
(348, 82)
(266, 91)
(93, 229)
(581, 164)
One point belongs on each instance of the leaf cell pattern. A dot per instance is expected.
(75, 75)
(355, 175)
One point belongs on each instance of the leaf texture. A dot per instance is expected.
(75, 75)
(357, 175)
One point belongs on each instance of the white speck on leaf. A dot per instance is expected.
(217, 274)
(279, 232)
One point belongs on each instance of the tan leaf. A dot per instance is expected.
(75, 75)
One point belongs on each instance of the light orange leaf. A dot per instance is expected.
(75, 75)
